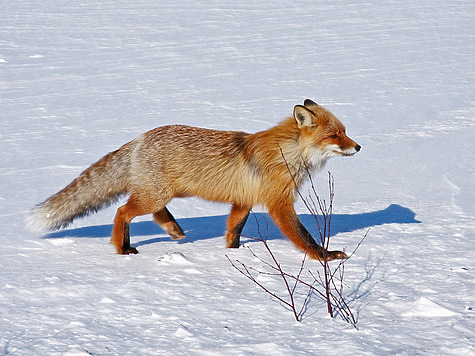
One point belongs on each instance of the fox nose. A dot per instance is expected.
(357, 148)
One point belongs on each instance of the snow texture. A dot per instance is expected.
(79, 79)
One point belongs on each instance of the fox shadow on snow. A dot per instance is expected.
(207, 227)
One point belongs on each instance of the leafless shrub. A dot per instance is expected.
(326, 284)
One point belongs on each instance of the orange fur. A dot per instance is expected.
(233, 167)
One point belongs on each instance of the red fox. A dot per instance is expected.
(233, 167)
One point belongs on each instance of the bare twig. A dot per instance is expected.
(329, 284)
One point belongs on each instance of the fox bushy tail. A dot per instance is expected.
(98, 186)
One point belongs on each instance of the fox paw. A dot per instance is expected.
(177, 236)
(336, 255)
(129, 250)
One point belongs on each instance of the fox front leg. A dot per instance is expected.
(288, 222)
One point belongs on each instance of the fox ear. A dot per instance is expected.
(304, 117)
(309, 102)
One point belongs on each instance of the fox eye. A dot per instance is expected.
(334, 136)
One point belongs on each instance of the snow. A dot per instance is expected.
(78, 80)
(425, 307)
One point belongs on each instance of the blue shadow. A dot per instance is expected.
(208, 227)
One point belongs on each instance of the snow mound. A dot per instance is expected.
(176, 258)
(424, 307)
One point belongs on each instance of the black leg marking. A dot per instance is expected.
(126, 249)
(236, 232)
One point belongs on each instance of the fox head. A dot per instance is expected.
(323, 134)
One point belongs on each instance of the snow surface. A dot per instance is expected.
(78, 79)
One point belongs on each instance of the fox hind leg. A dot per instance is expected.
(126, 248)
(121, 232)
(236, 221)
(135, 206)
(168, 223)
